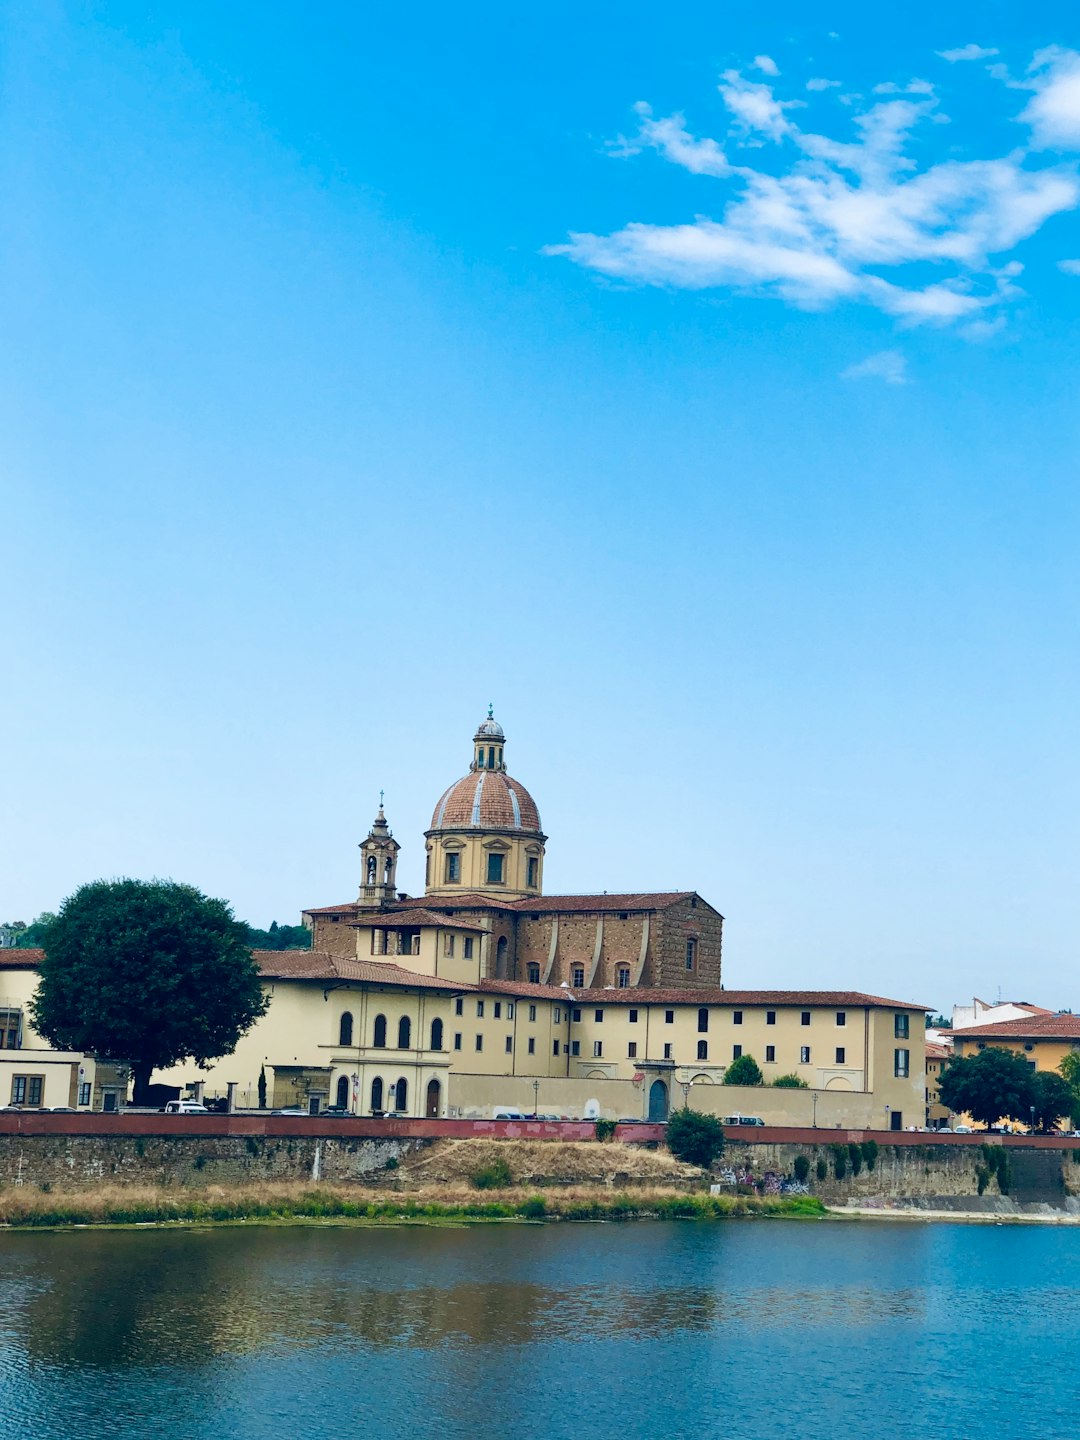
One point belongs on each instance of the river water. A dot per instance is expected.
(638, 1331)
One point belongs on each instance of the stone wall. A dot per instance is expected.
(73, 1162)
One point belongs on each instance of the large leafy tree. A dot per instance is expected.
(696, 1138)
(1070, 1070)
(1051, 1097)
(989, 1086)
(148, 972)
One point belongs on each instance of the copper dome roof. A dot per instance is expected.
(487, 800)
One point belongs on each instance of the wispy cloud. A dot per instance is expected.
(887, 365)
(766, 64)
(818, 83)
(1070, 267)
(967, 52)
(851, 216)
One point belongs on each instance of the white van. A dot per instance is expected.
(742, 1120)
(506, 1112)
(185, 1107)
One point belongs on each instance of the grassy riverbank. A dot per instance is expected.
(284, 1202)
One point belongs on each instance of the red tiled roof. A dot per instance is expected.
(525, 989)
(388, 919)
(824, 999)
(318, 965)
(1037, 1027)
(14, 959)
(343, 909)
(487, 800)
(649, 900)
(937, 1052)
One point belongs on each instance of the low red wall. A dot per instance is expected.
(29, 1122)
(46, 1123)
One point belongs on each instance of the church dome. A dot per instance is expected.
(487, 800)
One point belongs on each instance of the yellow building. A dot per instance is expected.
(937, 1057)
(1044, 1040)
(485, 994)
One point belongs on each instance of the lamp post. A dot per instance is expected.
(813, 1097)
(1032, 1130)
(888, 1111)
(536, 1098)
(686, 1084)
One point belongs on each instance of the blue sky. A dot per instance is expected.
(359, 366)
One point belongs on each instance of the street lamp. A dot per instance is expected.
(888, 1111)
(813, 1097)
(1032, 1130)
(536, 1098)
(686, 1093)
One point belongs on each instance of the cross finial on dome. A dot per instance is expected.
(491, 711)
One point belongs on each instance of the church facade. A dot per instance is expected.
(484, 867)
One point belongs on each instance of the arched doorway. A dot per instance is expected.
(658, 1100)
(500, 957)
(434, 1094)
(400, 1093)
(377, 1095)
(343, 1092)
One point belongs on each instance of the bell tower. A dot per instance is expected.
(378, 858)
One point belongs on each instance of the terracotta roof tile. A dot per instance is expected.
(648, 900)
(823, 999)
(389, 919)
(937, 1052)
(318, 965)
(15, 959)
(487, 800)
(1045, 1027)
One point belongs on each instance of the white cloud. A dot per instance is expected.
(887, 365)
(1070, 267)
(766, 64)
(913, 87)
(817, 83)
(847, 217)
(967, 52)
(1054, 111)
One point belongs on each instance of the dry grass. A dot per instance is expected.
(547, 1163)
(270, 1201)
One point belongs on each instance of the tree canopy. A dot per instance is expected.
(790, 1082)
(279, 937)
(1051, 1097)
(695, 1138)
(147, 972)
(1070, 1070)
(990, 1086)
(743, 1071)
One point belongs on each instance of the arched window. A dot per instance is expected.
(436, 1034)
(702, 1020)
(500, 957)
(380, 1035)
(377, 1093)
(401, 1094)
(622, 977)
(387, 867)
(343, 1092)
(404, 1034)
(345, 1031)
(702, 1049)
(371, 869)
(534, 973)
(577, 976)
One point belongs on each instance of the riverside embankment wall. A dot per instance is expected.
(76, 1151)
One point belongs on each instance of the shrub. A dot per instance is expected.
(855, 1157)
(695, 1138)
(839, 1156)
(535, 1208)
(982, 1177)
(495, 1176)
(392, 1163)
(789, 1082)
(743, 1071)
(802, 1169)
(605, 1130)
(869, 1153)
(821, 1169)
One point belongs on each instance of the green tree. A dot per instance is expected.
(695, 1138)
(789, 1082)
(147, 972)
(743, 1071)
(279, 937)
(1070, 1071)
(32, 936)
(988, 1086)
(1051, 1097)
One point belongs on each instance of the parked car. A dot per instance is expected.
(961, 1129)
(339, 1112)
(505, 1112)
(291, 1110)
(742, 1120)
(185, 1107)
